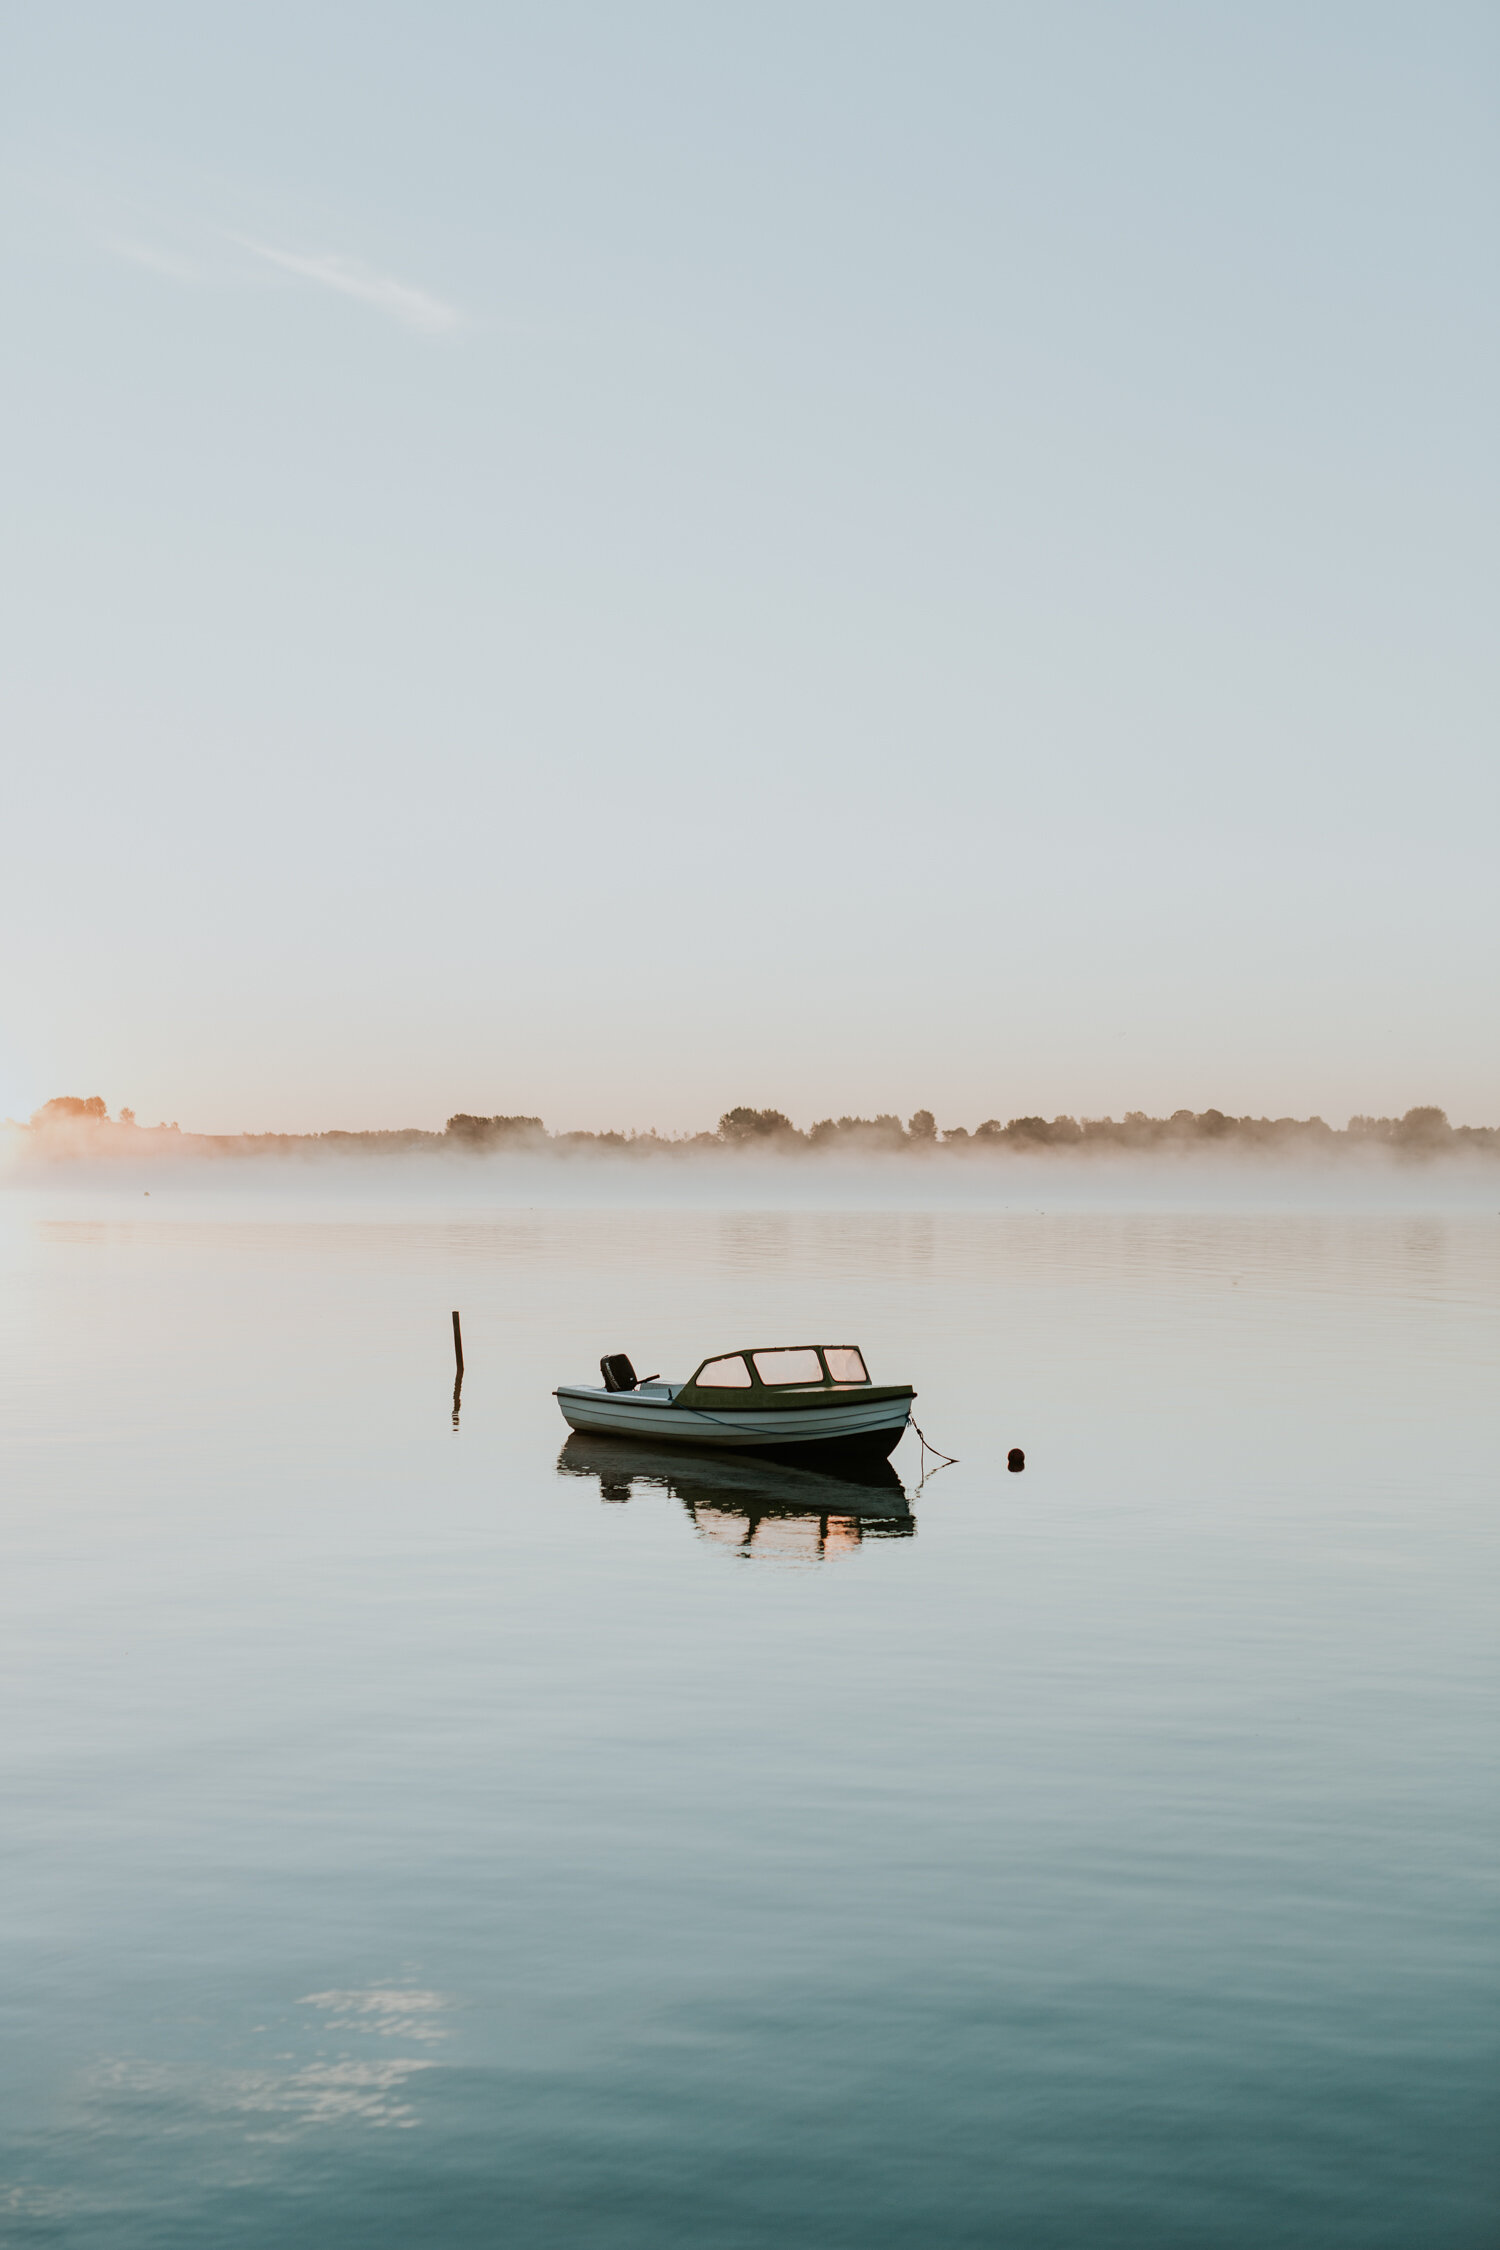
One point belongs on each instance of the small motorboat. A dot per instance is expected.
(792, 1402)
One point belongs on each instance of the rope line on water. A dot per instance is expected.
(943, 1460)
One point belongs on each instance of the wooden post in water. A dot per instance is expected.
(458, 1347)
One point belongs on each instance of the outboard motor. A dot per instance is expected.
(618, 1373)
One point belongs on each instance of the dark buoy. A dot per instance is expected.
(1015, 1459)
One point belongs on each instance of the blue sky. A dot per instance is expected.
(611, 561)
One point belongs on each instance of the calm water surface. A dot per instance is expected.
(412, 1839)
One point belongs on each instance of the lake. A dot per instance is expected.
(414, 1837)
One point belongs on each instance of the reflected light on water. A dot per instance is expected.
(757, 1507)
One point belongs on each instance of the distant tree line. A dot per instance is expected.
(1419, 1129)
(485, 1132)
(1423, 1131)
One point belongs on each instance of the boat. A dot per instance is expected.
(790, 1402)
(742, 1501)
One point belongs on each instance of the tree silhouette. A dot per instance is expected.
(756, 1125)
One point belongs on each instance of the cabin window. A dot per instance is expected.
(725, 1374)
(845, 1364)
(788, 1367)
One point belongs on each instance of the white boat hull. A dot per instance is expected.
(857, 1425)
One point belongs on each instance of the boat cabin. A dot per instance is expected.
(785, 1368)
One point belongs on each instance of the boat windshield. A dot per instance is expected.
(845, 1364)
(788, 1367)
(725, 1374)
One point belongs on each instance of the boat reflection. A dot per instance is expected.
(756, 1506)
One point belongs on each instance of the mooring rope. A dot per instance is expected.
(943, 1460)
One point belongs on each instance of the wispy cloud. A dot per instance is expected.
(397, 299)
(156, 261)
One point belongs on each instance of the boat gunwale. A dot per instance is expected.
(770, 1400)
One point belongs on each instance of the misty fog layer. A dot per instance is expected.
(757, 1158)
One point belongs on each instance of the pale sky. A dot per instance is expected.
(610, 561)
